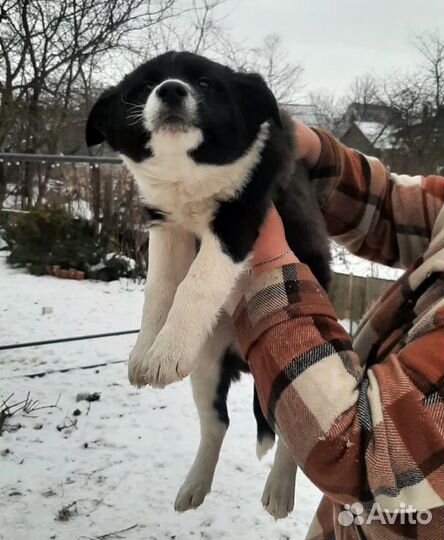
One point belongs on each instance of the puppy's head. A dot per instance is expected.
(188, 101)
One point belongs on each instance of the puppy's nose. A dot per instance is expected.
(172, 92)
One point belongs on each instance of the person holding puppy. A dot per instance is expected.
(364, 420)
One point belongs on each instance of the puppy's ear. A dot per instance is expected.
(99, 118)
(257, 98)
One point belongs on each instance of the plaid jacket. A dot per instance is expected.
(364, 421)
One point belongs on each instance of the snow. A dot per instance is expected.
(344, 262)
(130, 263)
(129, 454)
(80, 208)
(10, 201)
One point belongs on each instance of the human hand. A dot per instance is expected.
(308, 144)
(271, 249)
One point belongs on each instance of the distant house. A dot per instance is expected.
(378, 130)
(374, 130)
(371, 112)
(373, 138)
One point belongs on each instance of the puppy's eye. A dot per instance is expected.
(204, 83)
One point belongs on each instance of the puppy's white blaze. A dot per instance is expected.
(188, 191)
(154, 104)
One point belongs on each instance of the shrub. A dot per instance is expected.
(47, 237)
(113, 266)
(52, 237)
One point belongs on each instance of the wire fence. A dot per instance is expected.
(10, 158)
(50, 371)
(40, 374)
(64, 340)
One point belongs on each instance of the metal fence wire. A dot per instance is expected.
(64, 340)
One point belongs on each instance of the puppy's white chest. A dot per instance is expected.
(189, 192)
(183, 203)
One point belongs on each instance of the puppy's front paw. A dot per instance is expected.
(138, 354)
(167, 361)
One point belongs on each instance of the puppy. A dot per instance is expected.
(210, 150)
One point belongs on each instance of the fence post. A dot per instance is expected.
(107, 201)
(368, 292)
(96, 189)
(350, 303)
(2, 183)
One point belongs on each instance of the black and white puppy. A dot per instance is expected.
(209, 149)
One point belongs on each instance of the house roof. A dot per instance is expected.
(380, 135)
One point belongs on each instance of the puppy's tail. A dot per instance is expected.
(265, 434)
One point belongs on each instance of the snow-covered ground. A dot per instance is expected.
(123, 463)
(344, 262)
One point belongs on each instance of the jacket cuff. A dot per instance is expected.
(278, 296)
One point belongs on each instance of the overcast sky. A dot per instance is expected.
(338, 40)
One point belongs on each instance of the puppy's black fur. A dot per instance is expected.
(231, 111)
(295, 199)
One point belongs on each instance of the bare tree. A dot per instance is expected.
(192, 25)
(364, 90)
(335, 113)
(46, 47)
(270, 59)
(329, 111)
(200, 26)
(47, 51)
(431, 48)
(418, 100)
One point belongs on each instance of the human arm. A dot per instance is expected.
(377, 215)
(358, 433)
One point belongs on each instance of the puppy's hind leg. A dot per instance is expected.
(278, 496)
(265, 434)
(210, 382)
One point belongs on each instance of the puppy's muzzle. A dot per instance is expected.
(171, 107)
(172, 93)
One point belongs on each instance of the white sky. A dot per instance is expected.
(338, 40)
